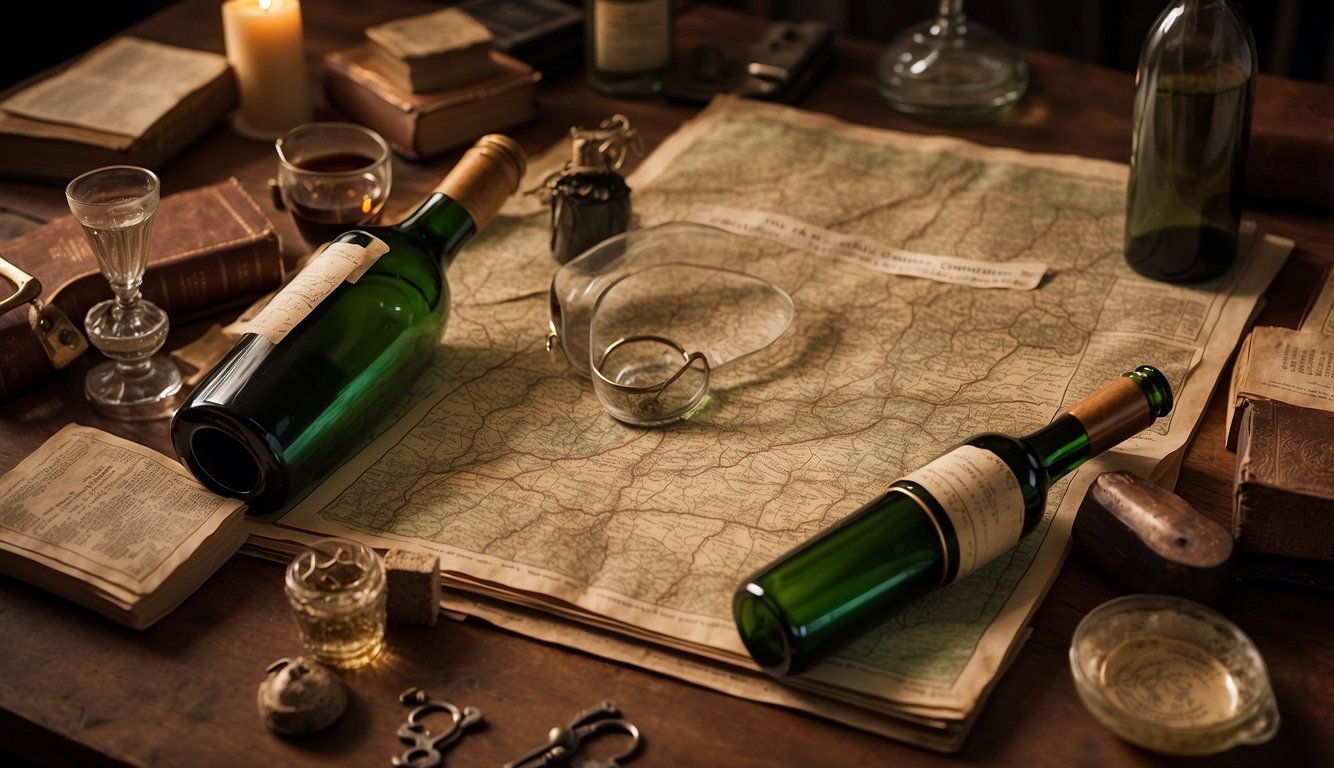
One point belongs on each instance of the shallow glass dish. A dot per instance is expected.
(650, 315)
(1172, 676)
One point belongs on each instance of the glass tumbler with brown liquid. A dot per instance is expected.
(332, 177)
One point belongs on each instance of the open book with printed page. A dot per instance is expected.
(129, 101)
(553, 519)
(113, 526)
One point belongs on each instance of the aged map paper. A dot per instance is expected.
(554, 519)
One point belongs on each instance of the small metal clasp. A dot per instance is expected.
(425, 749)
(564, 742)
(62, 341)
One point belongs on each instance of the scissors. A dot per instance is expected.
(563, 742)
(425, 748)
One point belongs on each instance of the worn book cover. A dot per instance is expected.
(431, 51)
(130, 101)
(1284, 500)
(419, 125)
(211, 247)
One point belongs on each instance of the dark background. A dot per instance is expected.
(1293, 37)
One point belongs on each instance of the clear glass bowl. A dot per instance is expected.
(652, 314)
(1172, 676)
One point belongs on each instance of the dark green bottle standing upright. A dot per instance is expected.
(1192, 117)
(289, 402)
(932, 527)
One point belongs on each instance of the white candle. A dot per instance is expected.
(267, 51)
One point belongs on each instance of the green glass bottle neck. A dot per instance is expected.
(1114, 413)
(1061, 446)
(442, 224)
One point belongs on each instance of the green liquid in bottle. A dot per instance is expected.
(930, 528)
(1188, 158)
(273, 419)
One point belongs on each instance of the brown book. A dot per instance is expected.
(419, 125)
(431, 51)
(77, 119)
(1284, 494)
(212, 247)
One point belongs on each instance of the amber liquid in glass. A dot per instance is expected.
(325, 212)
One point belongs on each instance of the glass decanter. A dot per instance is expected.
(951, 69)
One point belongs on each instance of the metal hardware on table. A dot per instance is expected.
(564, 742)
(425, 749)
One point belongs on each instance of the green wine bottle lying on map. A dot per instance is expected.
(325, 358)
(932, 527)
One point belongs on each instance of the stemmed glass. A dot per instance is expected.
(116, 206)
(950, 69)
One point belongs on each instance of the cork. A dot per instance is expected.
(412, 582)
(484, 178)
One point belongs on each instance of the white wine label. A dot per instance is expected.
(632, 36)
(327, 270)
(981, 498)
(870, 253)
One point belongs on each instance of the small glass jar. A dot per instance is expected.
(337, 592)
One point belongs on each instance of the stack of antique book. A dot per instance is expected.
(1280, 424)
(430, 83)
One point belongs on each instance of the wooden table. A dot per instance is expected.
(78, 690)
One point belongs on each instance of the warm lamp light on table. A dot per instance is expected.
(267, 51)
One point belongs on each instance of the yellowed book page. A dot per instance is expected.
(88, 502)
(1294, 367)
(122, 88)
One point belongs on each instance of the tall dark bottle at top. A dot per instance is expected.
(930, 528)
(1192, 118)
(330, 352)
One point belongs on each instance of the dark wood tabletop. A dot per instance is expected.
(76, 689)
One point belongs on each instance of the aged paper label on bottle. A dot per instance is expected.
(982, 499)
(632, 37)
(327, 270)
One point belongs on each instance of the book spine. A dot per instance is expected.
(186, 288)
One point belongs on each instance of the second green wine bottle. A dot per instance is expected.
(1192, 116)
(932, 527)
(327, 356)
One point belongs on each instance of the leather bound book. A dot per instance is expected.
(212, 247)
(420, 125)
(1284, 494)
